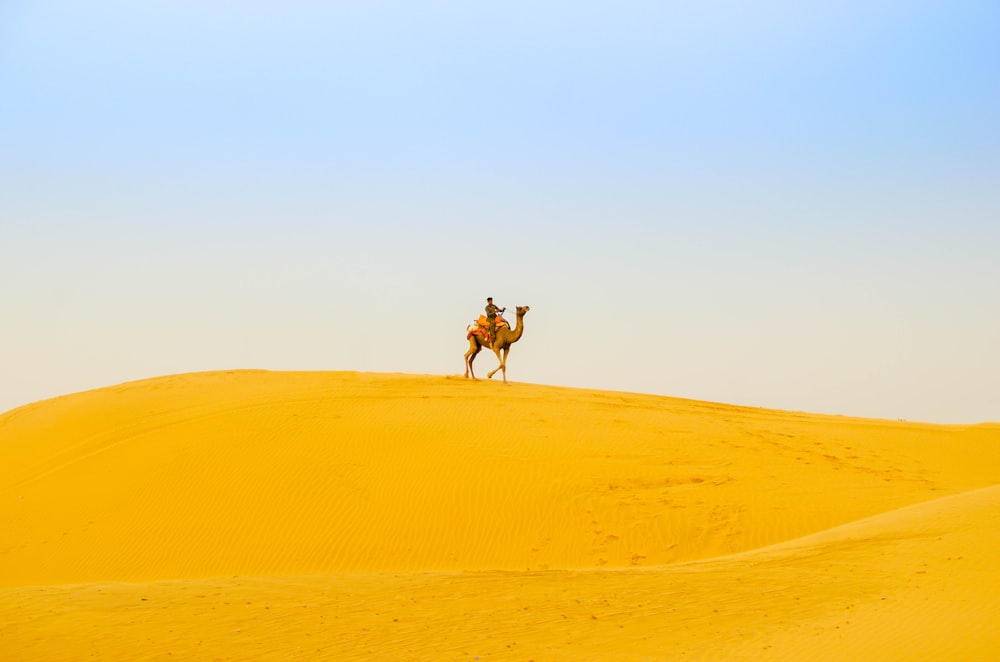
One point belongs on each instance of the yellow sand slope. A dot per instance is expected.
(259, 515)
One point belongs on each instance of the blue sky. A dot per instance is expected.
(788, 205)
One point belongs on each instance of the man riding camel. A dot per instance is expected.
(491, 317)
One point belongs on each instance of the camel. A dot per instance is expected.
(505, 338)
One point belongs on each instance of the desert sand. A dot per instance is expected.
(250, 515)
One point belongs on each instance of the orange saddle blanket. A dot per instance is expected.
(480, 326)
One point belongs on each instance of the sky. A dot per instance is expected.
(792, 205)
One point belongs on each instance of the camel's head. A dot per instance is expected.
(521, 310)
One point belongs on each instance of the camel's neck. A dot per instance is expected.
(518, 329)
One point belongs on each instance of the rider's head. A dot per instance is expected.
(490, 299)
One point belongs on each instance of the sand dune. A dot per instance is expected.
(260, 515)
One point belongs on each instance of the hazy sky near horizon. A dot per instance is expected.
(787, 205)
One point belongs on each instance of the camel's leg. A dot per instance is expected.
(490, 374)
(503, 363)
(474, 348)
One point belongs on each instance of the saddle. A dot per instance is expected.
(480, 327)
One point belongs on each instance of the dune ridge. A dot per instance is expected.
(275, 515)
